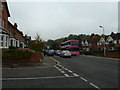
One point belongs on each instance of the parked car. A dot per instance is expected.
(65, 53)
(50, 53)
(57, 52)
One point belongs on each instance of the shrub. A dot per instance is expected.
(98, 53)
(16, 54)
(83, 52)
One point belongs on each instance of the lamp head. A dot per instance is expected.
(101, 26)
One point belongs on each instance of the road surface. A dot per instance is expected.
(74, 72)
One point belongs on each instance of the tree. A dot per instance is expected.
(38, 44)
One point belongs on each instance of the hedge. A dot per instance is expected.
(16, 54)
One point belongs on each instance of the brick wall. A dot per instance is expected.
(15, 32)
(5, 15)
(113, 54)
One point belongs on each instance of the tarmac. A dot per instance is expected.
(45, 62)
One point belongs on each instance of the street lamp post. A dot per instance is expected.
(104, 39)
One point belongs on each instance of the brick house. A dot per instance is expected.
(10, 36)
(97, 42)
(113, 42)
(4, 33)
(16, 37)
(85, 44)
(102, 43)
(91, 43)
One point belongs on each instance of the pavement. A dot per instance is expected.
(45, 62)
(101, 57)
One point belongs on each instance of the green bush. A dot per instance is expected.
(83, 52)
(16, 54)
(94, 53)
(97, 53)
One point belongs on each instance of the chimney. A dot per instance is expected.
(15, 25)
(112, 33)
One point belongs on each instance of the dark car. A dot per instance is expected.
(50, 53)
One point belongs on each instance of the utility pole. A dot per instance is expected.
(104, 39)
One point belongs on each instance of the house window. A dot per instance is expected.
(98, 43)
(0, 22)
(1, 40)
(14, 42)
(107, 42)
(115, 42)
(6, 40)
(1, 43)
(11, 42)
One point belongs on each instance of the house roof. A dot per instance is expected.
(95, 38)
(15, 28)
(115, 36)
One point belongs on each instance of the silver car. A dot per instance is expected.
(58, 52)
(65, 53)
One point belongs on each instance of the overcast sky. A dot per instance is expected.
(53, 20)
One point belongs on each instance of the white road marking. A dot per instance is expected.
(62, 67)
(62, 71)
(56, 67)
(59, 69)
(75, 74)
(59, 65)
(66, 75)
(66, 69)
(94, 85)
(55, 60)
(70, 71)
(36, 78)
(83, 79)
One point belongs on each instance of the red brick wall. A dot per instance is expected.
(94, 46)
(5, 15)
(113, 54)
(15, 32)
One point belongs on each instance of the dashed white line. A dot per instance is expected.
(66, 69)
(56, 67)
(94, 85)
(59, 69)
(70, 71)
(66, 75)
(62, 71)
(62, 67)
(75, 74)
(59, 65)
(83, 79)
